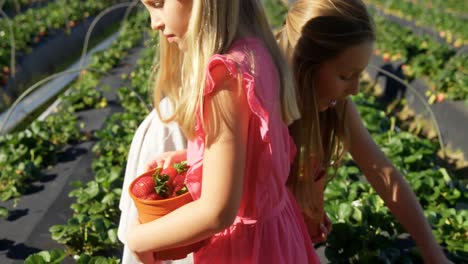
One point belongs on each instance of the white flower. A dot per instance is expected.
(356, 203)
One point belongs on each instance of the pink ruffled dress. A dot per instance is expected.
(269, 227)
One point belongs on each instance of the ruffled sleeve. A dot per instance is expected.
(238, 70)
(225, 68)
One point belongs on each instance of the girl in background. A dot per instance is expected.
(329, 44)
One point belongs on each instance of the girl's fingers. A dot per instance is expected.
(164, 160)
(318, 239)
(167, 163)
(151, 165)
(324, 230)
(161, 162)
(320, 234)
(147, 167)
(328, 224)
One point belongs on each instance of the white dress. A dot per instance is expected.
(151, 138)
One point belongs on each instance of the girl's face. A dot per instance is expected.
(339, 77)
(171, 17)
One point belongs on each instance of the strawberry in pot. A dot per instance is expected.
(158, 192)
(162, 184)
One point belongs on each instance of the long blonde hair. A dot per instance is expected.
(213, 26)
(316, 31)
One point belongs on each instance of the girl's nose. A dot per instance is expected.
(354, 89)
(156, 23)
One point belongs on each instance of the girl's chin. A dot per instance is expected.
(182, 46)
(326, 105)
(323, 108)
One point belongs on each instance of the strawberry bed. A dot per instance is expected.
(421, 57)
(24, 153)
(450, 27)
(34, 26)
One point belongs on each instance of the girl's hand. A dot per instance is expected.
(147, 257)
(435, 256)
(166, 159)
(144, 257)
(318, 230)
(439, 260)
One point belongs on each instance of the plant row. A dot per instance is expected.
(452, 6)
(23, 154)
(30, 27)
(452, 28)
(421, 57)
(17, 6)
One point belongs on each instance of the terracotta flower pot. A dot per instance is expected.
(149, 210)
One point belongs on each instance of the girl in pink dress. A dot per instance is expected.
(233, 98)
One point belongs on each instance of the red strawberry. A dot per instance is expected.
(171, 172)
(144, 187)
(386, 57)
(153, 196)
(440, 97)
(177, 188)
(179, 184)
(179, 179)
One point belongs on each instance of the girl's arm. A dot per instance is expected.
(391, 186)
(223, 172)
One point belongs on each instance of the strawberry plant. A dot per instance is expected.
(449, 6)
(24, 153)
(16, 6)
(84, 93)
(453, 79)
(34, 24)
(276, 11)
(452, 224)
(3, 212)
(58, 255)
